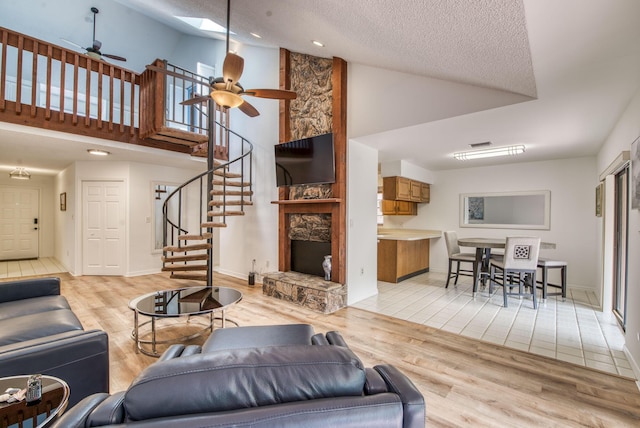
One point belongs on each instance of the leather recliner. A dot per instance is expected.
(292, 379)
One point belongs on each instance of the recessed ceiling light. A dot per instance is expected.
(317, 43)
(256, 35)
(98, 152)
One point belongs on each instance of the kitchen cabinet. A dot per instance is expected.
(399, 208)
(402, 259)
(404, 189)
(425, 192)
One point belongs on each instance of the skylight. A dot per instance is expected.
(204, 24)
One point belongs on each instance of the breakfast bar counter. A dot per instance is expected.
(403, 253)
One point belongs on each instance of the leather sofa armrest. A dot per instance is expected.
(374, 383)
(81, 358)
(29, 288)
(179, 350)
(76, 417)
(109, 412)
(412, 399)
(336, 339)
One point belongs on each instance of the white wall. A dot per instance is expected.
(138, 178)
(362, 254)
(46, 228)
(573, 223)
(73, 20)
(255, 235)
(624, 133)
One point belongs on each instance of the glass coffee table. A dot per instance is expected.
(53, 402)
(181, 302)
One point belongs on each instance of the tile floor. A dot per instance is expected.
(20, 268)
(573, 330)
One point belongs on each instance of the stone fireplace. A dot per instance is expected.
(312, 219)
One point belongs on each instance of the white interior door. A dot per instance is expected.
(103, 228)
(19, 212)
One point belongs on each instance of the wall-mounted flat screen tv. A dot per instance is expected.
(306, 161)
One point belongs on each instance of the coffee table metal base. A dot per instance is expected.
(191, 302)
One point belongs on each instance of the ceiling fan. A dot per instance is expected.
(94, 50)
(227, 91)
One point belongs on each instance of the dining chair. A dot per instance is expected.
(456, 256)
(545, 265)
(517, 268)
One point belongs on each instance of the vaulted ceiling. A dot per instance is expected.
(430, 77)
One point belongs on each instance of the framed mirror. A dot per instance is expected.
(506, 210)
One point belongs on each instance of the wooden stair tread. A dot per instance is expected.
(235, 203)
(187, 248)
(189, 276)
(184, 268)
(203, 236)
(209, 224)
(231, 183)
(185, 258)
(224, 213)
(221, 173)
(231, 192)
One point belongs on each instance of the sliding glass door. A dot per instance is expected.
(621, 235)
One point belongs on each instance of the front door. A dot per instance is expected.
(19, 212)
(103, 228)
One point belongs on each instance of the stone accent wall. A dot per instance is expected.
(310, 191)
(310, 227)
(311, 113)
(305, 290)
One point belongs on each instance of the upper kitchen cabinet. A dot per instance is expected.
(404, 189)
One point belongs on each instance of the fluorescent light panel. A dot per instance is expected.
(488, 153)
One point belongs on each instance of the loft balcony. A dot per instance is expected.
(47, 86)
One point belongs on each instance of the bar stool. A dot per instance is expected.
(545, 265)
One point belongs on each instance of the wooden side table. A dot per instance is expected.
(55, 398)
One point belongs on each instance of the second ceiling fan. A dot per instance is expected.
(227, 91)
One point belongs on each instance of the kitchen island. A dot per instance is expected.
(403, 253)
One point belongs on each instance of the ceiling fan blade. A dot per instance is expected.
(232, 68)
(280, 94)
(196, 100)
(174, 74)
(248, 109)
(72, 43)
(116, 57)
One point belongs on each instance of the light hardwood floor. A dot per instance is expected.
(465, 382)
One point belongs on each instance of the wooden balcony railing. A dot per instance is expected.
(47, 86)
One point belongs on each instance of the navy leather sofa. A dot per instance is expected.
(265, 376)
(40, 334)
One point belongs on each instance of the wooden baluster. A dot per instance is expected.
(3, 70)
(122, 81)
(100, 75)
(34, 78)
(76, 66)
(47, 112)
(111, 98)
(19, 76)
(63, 68)
(132, 109)
(87, 95)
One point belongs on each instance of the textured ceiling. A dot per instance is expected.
(479, 42)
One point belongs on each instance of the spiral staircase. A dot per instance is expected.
(203, 204)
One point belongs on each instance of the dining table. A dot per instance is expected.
(483, 248)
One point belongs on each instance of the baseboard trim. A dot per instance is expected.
(634, 365)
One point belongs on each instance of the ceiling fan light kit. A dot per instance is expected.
(492, 152)
(20, 174)
(226, 99)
